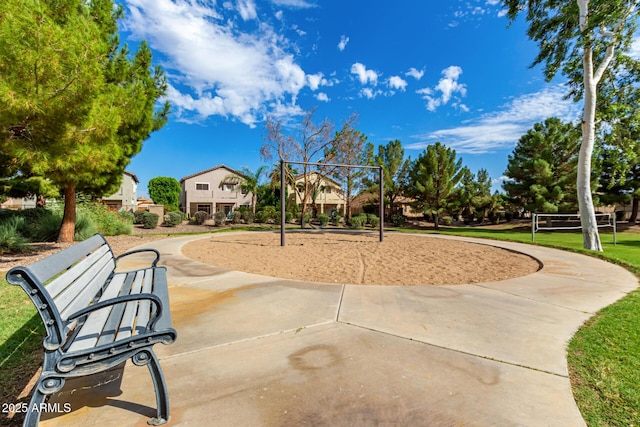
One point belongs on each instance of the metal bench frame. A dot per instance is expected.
(96, 317)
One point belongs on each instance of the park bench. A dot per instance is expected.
(96, 317)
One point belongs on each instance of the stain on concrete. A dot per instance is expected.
(188, 303)
(314, 357)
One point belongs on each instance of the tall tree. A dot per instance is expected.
(77, 106)
(433, 177)
(348, 148)
(165, 190)
(395, 171)
(308, 143)
(542, 168)
(249, 182)
(580, 38)
(620, 135)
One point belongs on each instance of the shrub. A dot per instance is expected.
(248, 217)
(323, 219)
(127, 216)
(11, 240)
(236, 217)
(358, 221)
(200, 217)
(47, 228)
(138, 216)
(150, 220)
(106, 222)
(219, 218)
(306, 219)
(270, 211)
(374, 221)
(261, 217)
(85, 226)
(508, 216)
(398, 220)
(172, 219)
(446, 220)
(335, 218)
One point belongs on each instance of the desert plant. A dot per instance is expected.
(219, 218)
(323, 219)
(127, 216)
(200, 217)
(172, 219)
(236, 217)
(261, 217)
(358, 221)
(11, 240)
(248, 217)
(398, 220)
(138, 216)
(150, 220)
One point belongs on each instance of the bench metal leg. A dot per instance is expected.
(149, 358)
(33, 413)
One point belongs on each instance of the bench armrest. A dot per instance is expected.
(119, 300)
(137, 251)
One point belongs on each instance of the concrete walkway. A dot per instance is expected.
(261, 351)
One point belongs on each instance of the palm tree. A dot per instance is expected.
(249, 182)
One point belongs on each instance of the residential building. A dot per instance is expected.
(329, 196)
(17, 203)
(213, 190)
(126, 197)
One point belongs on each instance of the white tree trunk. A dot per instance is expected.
(590, 236)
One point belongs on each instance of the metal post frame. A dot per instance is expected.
(283, 165)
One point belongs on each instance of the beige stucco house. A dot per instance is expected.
(329, 197)
(126, 197)
(213, 190)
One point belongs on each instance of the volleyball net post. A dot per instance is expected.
(568, 225)
(283, 165)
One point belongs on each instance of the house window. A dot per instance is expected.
(228, 187)
(327, 190)
(202, 186)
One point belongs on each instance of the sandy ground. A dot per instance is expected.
(361, 259)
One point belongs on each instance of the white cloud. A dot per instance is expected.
(446, 88)
(342, 44)
(213, 67)
(397, 83)
(247, 9)
(365, 76)
(316, 80)
(321, 96)
(502, 129)
(415, 73)
(300, 4)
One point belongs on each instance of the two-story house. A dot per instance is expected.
(328, 194)
(126, 197)
(213, 190)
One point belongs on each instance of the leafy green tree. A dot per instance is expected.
(542, 168)
(165, 190)
(433, 177)
(395, 172)
(620, 131)
(580, 38)
(76, 105)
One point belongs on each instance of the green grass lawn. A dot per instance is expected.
(604, 356)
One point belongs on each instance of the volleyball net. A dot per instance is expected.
(558, 222)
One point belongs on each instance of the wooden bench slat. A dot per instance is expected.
(130, 312)
(88, 286)
(145, 305)
(90, 331)
(49, 267)
(115, 317)
(59, 284)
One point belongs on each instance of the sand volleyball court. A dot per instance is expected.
(347, 258)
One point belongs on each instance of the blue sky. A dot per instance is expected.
(418, 71)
